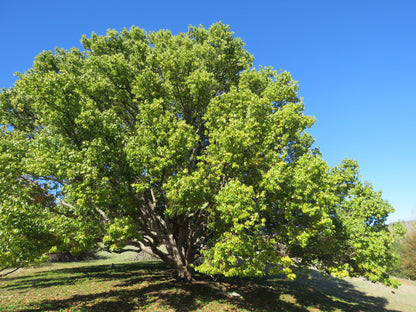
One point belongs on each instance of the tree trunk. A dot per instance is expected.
(185, 273)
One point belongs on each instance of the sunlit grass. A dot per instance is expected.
(116, 284)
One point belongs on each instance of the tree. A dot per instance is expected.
(409, 255)
(176, 145)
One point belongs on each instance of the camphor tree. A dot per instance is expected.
(175, 144)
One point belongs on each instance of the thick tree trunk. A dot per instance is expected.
(182, 263)
(185, 273)
(176, 234)
(175, 257)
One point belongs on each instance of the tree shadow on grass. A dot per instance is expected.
(315, 295)
(72, 276)
(152, 285)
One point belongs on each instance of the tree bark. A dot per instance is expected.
(185, 273)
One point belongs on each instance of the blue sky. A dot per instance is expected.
(355, 62)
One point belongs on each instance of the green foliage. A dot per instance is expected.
(176, 145)
(405, 266)
(397, 269)
(409, 255)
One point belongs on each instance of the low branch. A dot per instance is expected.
(153, 251)
(125, 250)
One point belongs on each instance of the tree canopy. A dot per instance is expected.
(176, 145)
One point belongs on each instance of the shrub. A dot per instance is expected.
(409, 255)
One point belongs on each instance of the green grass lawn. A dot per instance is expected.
(150, 286)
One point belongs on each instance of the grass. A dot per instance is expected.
(118, 284)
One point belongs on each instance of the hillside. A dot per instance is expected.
(409, 225)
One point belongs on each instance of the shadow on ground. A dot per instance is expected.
(151, 284)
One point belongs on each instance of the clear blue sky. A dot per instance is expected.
(355, 62)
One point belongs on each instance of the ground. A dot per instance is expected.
(122, 283)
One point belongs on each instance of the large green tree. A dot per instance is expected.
(175, 144)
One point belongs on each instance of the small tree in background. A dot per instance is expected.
(397, 269)
(409, 255)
